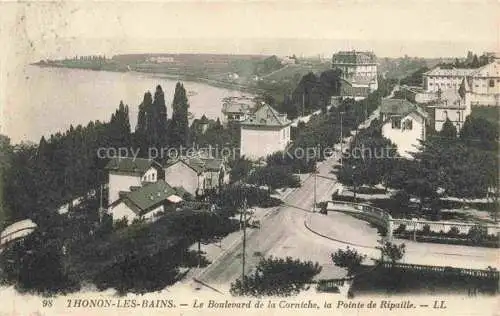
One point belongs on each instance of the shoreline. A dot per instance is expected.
(210, 82)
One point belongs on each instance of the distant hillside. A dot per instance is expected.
(398, 68)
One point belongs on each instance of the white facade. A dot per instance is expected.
(405, 132)
(258, 142)
(445, 79)
(181, 175)
(121, 210)
(359, 69)
(484, 82)
(456, 112)
(122, 182)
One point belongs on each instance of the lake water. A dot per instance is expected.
(43, 101)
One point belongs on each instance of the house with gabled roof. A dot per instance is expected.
(147, 202)
(404, 124)
(264, 132)
(126, 172)
(197, 174)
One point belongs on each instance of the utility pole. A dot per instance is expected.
(341, 139)
(354, 181)
(315, 182)
(101, 209)
(244, 240)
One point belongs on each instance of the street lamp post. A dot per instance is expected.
(315, 181)
(244, 241)
(354, 182)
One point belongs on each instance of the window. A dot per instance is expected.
(396, 123)
(152, 177)
(492, 83)
(445, 115)
(407, 125)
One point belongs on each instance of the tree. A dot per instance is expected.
(475, 62)
(158, 120)
(276, 277)
(273, 177)
(449, 130)
(199, 226)
(119, 127)
(240, 168)
(392, 251)
(179, 126)
(479, 132)
(143, 126)
(415, 79)
(5, 165)
(349, 258)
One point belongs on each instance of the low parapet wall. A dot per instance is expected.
(370, 213)
(384, 220)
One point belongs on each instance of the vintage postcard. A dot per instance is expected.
(294, 157)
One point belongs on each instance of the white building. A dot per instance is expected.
(234, 110)
(484, 82)
(148, 202)
(359, 73)
(197, 174)
(124, 173)
(403, 123)
(288, 60)
(454, 105)
(266, 131)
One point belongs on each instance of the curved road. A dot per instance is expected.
(282, 234)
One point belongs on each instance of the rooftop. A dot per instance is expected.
(354, 57)
(266, 116)
(150, 195)
(455, 72)
(17, 230)
(131, 165)
(400, 107)
(199, 164)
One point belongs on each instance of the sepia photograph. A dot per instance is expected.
(274, 157)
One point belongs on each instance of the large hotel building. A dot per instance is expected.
(359, 73)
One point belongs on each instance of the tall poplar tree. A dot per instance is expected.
(179, 129)
(159, 120)
(141, 138)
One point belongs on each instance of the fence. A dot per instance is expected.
(383, 219)
(488, 274)
(492, 275)
(463, 228)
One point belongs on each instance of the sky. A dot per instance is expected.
(31, 31)
(438, 28)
